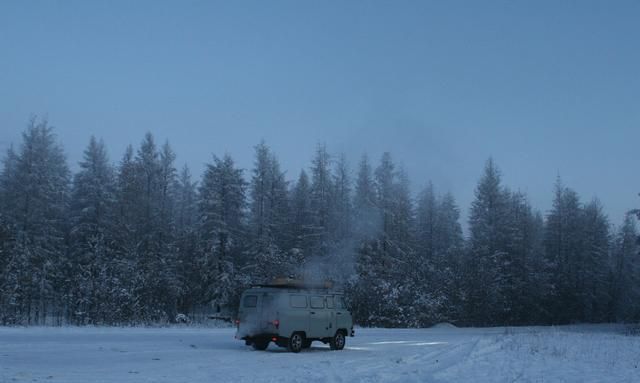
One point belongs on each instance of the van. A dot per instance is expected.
(293, 314)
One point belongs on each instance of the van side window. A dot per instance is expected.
(250, 301)
(340, 303)
(317, 302)
(299, 301)
(330, 302)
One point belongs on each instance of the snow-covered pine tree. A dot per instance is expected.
(91, 270)
(403, 215)
(128, 191)
(403, 241)
(449, 247)
(268, 217)
(149, 280)
(185, 206)
(8, 273)
(145, 233)
(302, 223)
(281, 212)
(342, 248)
(439, 244)
(539, 280)
(188, 264)
(35, 183)
(166, 189)
(625, 278)
(9, 267)
(426, 220)
(222, 231)
(488, 251)
(523, 271)
(385, 188)
(260, 188)
(427, 271)
(342, 215)
(321, 203)
(8, 188)
(563, 241)
(366, 227)
(593, 281)
(367, 217)
(168, 289)
(380, 255)
(384, 261)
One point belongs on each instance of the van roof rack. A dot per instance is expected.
(288, 283)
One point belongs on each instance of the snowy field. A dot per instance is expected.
(443, 354)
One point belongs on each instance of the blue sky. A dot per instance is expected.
(545, 88)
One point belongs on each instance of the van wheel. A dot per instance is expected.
(295, 342)
(260, 345)
(338, 341)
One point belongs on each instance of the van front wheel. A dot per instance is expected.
(338, 341)
(295, 342)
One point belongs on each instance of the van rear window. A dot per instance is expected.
(250, 301)
(299, 301)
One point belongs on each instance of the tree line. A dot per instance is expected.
(141, 241)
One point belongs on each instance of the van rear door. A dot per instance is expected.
(248, 314)
(268, 313)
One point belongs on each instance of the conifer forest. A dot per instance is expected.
(137, 240)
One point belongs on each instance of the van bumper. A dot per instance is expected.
(275, 338)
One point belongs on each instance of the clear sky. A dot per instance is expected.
(545, 87)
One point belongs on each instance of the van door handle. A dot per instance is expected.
(312, 312)
(338, 313)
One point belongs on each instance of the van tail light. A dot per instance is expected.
(276, 323)
(237, 322)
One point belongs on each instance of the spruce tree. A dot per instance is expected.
(448, 251)
(321, 203)
(222, 231)
(564, 250)
(35, 184)
(367, 218)
(625, 276)
(593, 280)
(188, 265)
(91, 266)
(302, 222)
(268, 215)
(488, 252)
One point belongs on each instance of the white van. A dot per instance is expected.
(293, 314)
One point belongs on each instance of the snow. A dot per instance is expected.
(443, 325)
(441, 354)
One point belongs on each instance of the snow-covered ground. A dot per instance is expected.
(442, 354)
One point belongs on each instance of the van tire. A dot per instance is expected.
(338, 341)
(296, 342)
(260, 345)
